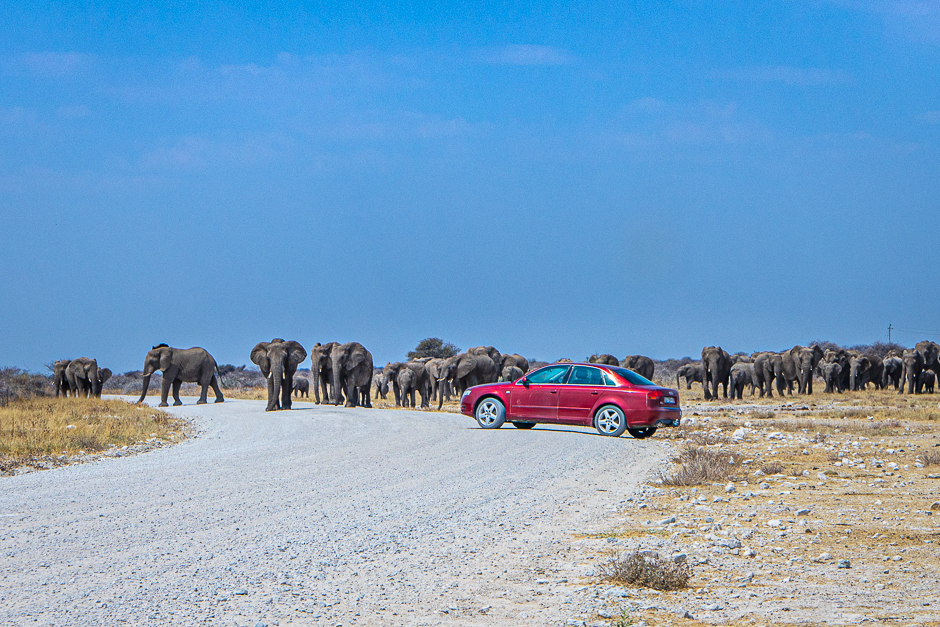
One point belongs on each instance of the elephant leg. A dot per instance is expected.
(164, 391)
(204, 391)
(216, 389)
(286, 387)
(351, 400)
(176, 392)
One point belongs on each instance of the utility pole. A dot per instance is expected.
(889, 333)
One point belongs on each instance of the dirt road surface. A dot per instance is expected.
(318, 516)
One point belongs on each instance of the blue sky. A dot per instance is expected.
(554, 179)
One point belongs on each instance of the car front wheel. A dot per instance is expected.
(642, 433)
(609, 420)
(490, 413)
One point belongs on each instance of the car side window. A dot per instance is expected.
(609, 381)
(585, 375)
(551, 374)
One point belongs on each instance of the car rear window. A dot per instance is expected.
(631, 377)
(585, 375)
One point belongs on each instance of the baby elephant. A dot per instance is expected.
(831, 373)
(301, 387)
(511, 373)
(742, 375)
(927, 379)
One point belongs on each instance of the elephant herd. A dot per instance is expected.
(79, 377)
(840, 370)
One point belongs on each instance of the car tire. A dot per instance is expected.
(642, 433)
(523, 425)
(490, 413)
(610, 420)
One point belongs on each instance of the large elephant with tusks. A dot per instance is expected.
(716, 369)
(182, 365)
(278, 361)
(352, 373)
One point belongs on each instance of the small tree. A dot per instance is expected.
(433, 347)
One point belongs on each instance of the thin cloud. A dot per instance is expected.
(931, 117)
(48, 64)
(526, 54)
(800, 77)
(918, 20)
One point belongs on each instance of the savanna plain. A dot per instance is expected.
(821, 509)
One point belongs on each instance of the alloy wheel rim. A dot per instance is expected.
(608, 421)
(488, 412)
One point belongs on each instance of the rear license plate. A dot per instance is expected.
(669, 400)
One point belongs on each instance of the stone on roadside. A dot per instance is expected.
(730, 488)
(844, 564)
(802, 512)
(764, 486)
(935, 507)
(667, 521)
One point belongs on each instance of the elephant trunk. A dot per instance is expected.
(277, 379)
(853, 376)
(440, 388)
(315, 371)
(337, 382)
(144, 388)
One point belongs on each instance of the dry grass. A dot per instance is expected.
(698, 466)
(646, 569)
(43, 427)
(930, 458)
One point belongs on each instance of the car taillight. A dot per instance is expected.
(654, 397)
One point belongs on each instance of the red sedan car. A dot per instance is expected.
(608, 398)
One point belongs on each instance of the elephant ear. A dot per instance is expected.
(466, 365)
(295, 353)
(259, 356)
(866, 363)
(104, 374)
(166, 358)
(356, 357)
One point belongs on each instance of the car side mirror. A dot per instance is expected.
(525, 382)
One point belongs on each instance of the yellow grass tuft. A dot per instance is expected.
(52, 427)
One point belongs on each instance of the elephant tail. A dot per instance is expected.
(218, 373)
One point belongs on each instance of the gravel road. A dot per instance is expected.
(317, 516)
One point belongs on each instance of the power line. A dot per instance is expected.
(915, 331)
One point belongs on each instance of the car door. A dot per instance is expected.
(579, 395)
(535, 396)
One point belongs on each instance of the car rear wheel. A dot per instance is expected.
(490, 413)
(642, 433)
(609, 420)
(523, 425)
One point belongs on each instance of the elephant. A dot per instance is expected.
(930, 353)
(742, 375)
(892, 368)
(516, 360)
(60, 380)
(302, 386)
(798, 365)
(352, 372)
(768, 366)
(511, 373)
(181, 365)
(433, 366)
(910, 375)
(380, 384)
(865, 369)
(419, 381)
(831, 374)
(83, 377)
(607, 360)
(469, 369)
(322, 371)
(639, 364)
(103, 375)
(741, 358)
(692, 373)
(406, 384)
(926, 381)
(278, 360)
(716, 369)
(844, 359)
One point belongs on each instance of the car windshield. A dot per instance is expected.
(549, 374)
(631, 376)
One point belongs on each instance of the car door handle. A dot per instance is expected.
(553, 391)
(595, 393)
